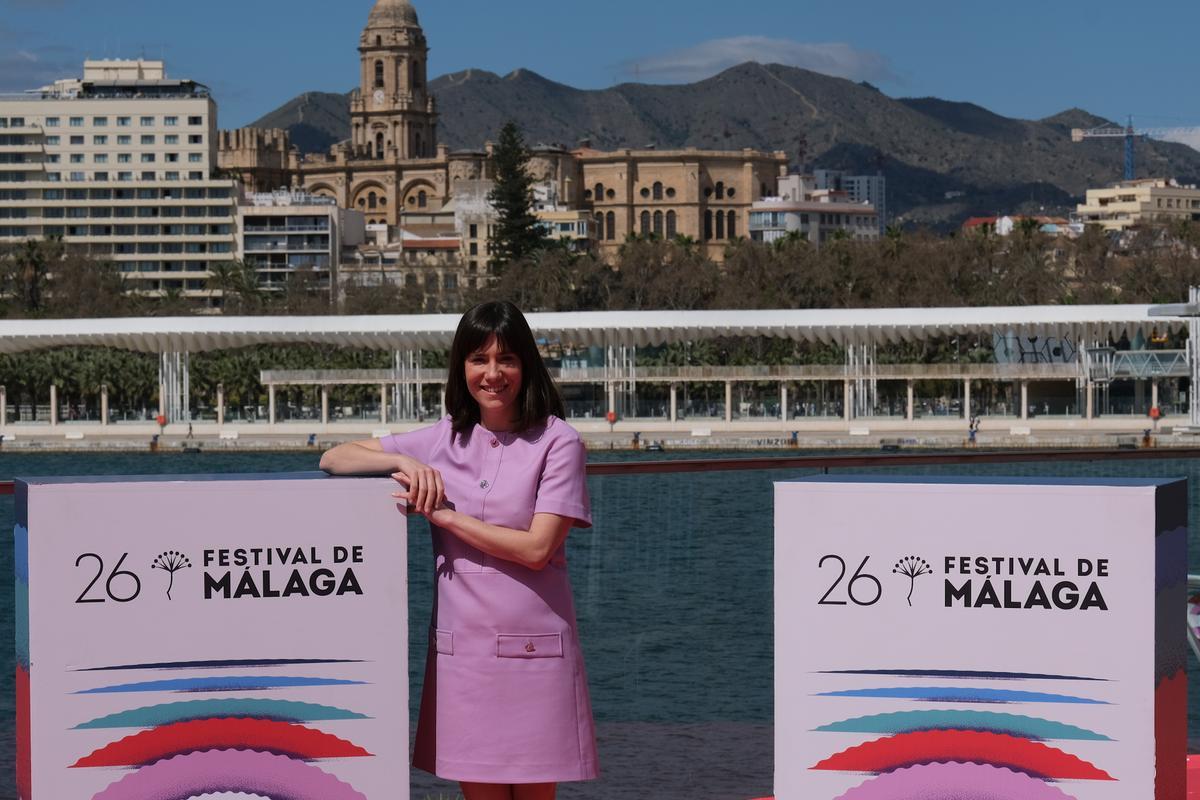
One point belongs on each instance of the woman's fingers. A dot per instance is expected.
(441, 490)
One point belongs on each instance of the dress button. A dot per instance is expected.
(483, 484)
(495, 442)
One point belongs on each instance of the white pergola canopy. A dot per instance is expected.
(616, 328)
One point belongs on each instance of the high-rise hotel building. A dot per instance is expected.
(120, 164)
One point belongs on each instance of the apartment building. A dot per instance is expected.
(814, 214)
(869, 189)
(285, 232)
(1129, 203)
(119, 164)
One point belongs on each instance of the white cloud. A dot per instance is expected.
(1188, 136)
(22, 69)
(708, 58)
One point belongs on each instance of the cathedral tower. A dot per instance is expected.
(392, 115)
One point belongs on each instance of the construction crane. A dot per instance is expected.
(1129, 135)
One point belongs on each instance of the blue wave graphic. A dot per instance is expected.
(222, 684)
(958, 694)
(257, 708)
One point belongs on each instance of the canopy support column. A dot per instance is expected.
(383, 404)
(783, 401)
(53, 405)
(271, 404)
(324, 404)
(729, 401)
(103, 404)
(909, 402)
(220, 405)
(966, 409)
(3, 407)
(674, 403)
(1024, 399)
(174, 386)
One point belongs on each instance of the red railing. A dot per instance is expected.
(874, 460)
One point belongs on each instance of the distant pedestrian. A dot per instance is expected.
(972, 430)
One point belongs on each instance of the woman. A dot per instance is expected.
(505, 708)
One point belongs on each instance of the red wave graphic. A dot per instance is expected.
(271, 736)
(979, 747)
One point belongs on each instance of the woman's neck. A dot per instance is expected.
(497, 423)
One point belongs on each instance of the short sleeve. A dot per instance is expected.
(562, 487)
(418, 444)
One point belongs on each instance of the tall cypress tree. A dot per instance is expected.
(517, 233)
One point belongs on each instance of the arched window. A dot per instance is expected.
(731, 226)
(720, 192)
(658, 191)
(379, 74)
(414, 74)
(645, 220)
(720, 225)
(708, 226)
(599, 224)
(672, 231)
(598, 192)
(379, 41)
(379, 145)
(372, 201)
(610, 226)
(421, 199)
(658, 224)
(417, 151)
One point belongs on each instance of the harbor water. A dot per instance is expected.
(673, 589)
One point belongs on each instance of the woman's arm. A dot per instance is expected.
(532, 548)
(367, 457)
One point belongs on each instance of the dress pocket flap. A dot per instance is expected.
(524, 645)
(443, 642)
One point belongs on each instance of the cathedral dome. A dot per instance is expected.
(393, 14)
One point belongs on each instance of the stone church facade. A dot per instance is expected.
(392, 168)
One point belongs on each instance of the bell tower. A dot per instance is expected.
(392, 115)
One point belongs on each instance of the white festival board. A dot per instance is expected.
(211, 635)
(980, 638)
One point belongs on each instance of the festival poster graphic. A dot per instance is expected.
(212, 636)
(982, 639)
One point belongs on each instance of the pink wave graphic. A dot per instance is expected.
(952, 779)
(246, 771)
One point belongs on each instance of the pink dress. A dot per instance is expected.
(505, 698)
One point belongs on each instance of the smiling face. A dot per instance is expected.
(494, 380)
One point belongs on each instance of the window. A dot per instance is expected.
(731, 225)
(171, 158)
(195, 138)
(100, 139)
(196, 176)
(51, 122)
(372, 200)
(124, 139)
(52, 140)
(610, 226)
(708, 225)
(100, 122)
(147, 158)
(171, 176)
(658, 223)
(474, 249)
(52, 158)
(77, 176)
(123, 122)
(474, 231)
(123, 158)
(645, 193)
(645, 223)
(720, 193)
(147, 176)
(171, 138)
(77, 140)
(421, 199)
(195, 120)
(658, 191)
(76, 122)
(146, 122)
(379, 74)
(672, 231)
(76, 158)
(147, 138)
(379, 145)
(598, 192)
(720, 225)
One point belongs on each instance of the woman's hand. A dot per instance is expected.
(425, 491)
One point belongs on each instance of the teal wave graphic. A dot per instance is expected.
(1025, 727)
(956, 694)
(167, 713)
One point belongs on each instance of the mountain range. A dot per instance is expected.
(943, 160)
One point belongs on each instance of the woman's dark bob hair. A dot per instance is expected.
(538, 398)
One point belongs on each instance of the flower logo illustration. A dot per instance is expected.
(912, 567)
(171, 561)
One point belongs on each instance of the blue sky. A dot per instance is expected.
(1018, 58)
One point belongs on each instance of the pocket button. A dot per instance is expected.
(483, 484)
